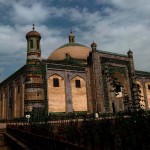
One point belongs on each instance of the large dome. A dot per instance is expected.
(74, 50)
(70, 49)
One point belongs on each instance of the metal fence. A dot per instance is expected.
(120, 133)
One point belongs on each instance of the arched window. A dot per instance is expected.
(31, 43)
(37, 44)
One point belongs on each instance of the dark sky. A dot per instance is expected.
(115, 25)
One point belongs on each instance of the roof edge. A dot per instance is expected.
(112, 53)
(71, 44)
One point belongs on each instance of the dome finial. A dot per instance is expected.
(33, 33)
(33, 26)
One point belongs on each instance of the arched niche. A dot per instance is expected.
(56, 94)
(79, 96)
(118, 90)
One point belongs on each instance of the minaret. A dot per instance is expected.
(34, 89)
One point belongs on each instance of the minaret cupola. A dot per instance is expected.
(93, 46)
(130, 54)
(33, 39)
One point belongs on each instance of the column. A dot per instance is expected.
(144, 92)
(98, 92)
(69, 107)
(7, 103)
(21, 96)
(0, 105)
(14, 99)
(3, 105)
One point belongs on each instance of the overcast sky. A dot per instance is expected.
(115, 25)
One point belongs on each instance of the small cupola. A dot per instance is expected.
(93, 46)
(33, 33)
(33, 39)
(71, 37)
(130, 53)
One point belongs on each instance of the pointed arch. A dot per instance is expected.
(56, 75)
(118, 91)
(78, 75)
(56, 79)
(56, 93)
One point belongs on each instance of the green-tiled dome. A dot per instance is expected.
(71, 49)
(71, 44)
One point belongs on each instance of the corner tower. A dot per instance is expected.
(34, 89)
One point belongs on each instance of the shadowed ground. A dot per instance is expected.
(3, 144)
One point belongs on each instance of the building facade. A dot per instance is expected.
(74, 78)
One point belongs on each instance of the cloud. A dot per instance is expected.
(13, 46)
(23, 13)
(116, 29)
(10, 40)
(3, 2)
(1, 70)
